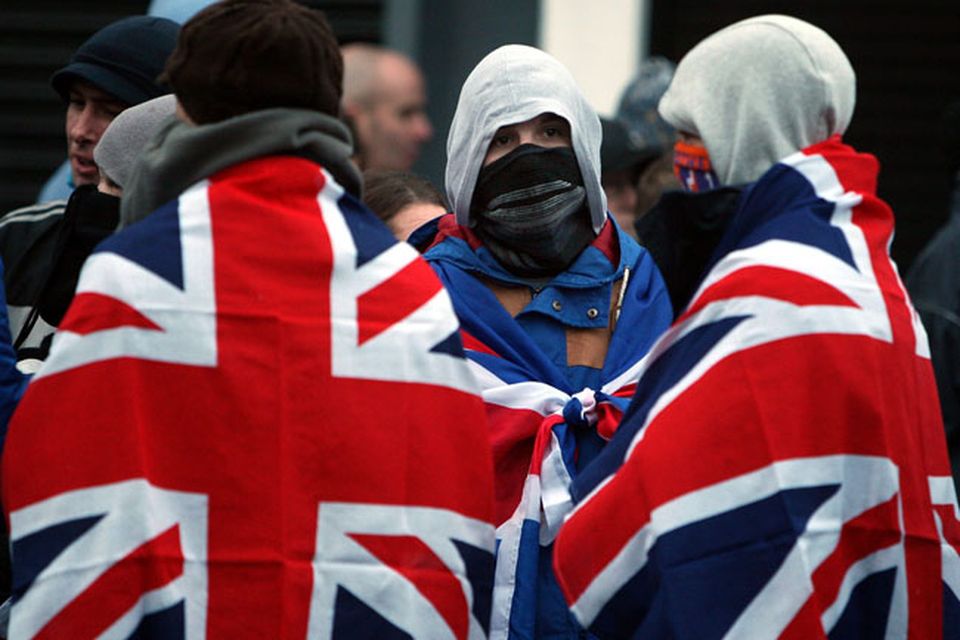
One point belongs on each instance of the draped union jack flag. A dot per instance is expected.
(781, 471)
(251, 425)
(533, 414)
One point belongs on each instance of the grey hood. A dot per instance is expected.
(760, 90)
(513, 84)
(181, 154)
(128, 134)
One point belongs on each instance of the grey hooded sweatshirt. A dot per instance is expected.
(513, 84)
(759, 90)
(128, 134)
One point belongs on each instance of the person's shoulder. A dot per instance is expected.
(934, 276)
(941, 248)
(34, 213)
(23, 229)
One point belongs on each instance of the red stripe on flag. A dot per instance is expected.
(152, 565)
(772, 282)
(394, 299)
(512, 435)
(806, 624)
(91, 312)
(608, 419)
(471, 343)
(875, 529)
(626, 391)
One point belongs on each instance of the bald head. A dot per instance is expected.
(384, 97)
(360, 71)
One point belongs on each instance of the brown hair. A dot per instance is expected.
(238, 56)
(387, 192)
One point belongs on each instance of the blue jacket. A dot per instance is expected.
(580, 298)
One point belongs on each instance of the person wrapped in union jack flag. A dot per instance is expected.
(781, 471)
(558, 306)
(253, 419)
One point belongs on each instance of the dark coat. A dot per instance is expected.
(934, 286)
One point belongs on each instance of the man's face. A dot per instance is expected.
(546, 130)
(89, 111)
(394, 125)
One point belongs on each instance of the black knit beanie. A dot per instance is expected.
(123, 59)
(239, 56)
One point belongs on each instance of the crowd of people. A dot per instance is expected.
(651, 376)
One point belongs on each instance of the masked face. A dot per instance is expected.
(92, 214)
(529, 210)
(691, 165)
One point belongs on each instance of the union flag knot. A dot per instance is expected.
(580, 411)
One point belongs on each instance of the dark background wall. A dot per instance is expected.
(36, 38)
(906, 55)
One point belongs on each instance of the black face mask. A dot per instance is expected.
(529, 209)
(682, 233)
(90, 217)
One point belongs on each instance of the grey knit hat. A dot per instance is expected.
(125, 138)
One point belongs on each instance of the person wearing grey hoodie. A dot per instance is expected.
(125, 139)
(781, 471)
(734, 126)
(558, 303)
